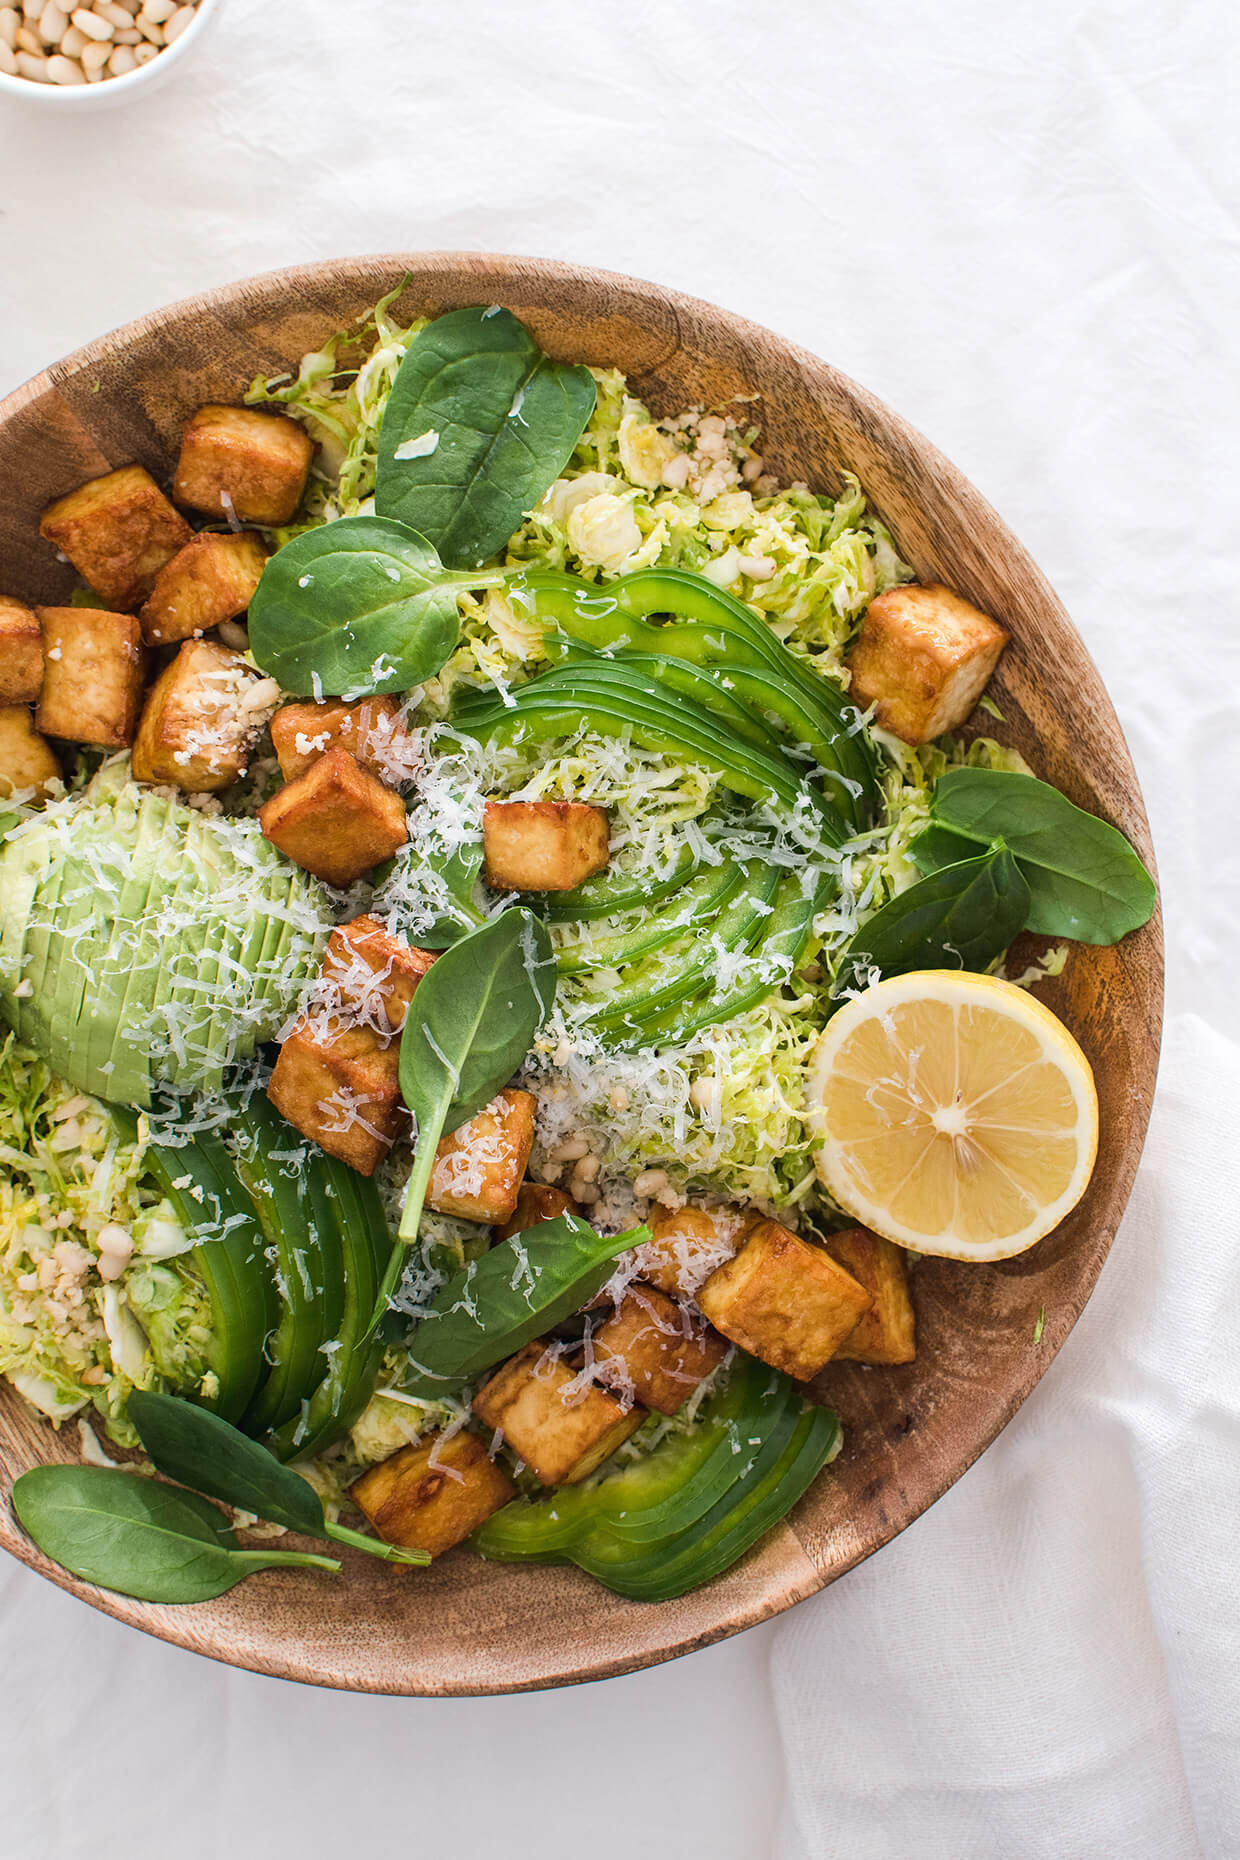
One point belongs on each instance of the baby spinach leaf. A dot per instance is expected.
(195, 1447)
(139, 1537)
(518, 1290)
(961, 917)
(1084, 878)
(478, 425)
(354, 608)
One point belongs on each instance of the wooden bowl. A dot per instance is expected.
(465, 1626)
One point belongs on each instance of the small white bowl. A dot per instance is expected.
(111, 91)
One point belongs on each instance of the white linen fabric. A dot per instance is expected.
(1017, 224)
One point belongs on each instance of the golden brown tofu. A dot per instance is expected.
(536, 1202)
(209, 581)
(374, 973)
(27, 764)
(371, 731)
(654, 1350)
(94, 670)
(688, 1243)
(924, 657)
(543, 845)
(238, 463)
(335, 820)
(21, 653)
(431, 1496)
(784, 1301)
(342, 1093)
(478, 1167)
(118, 531)
(561, 1432)
(886, 1333)
(196, 732)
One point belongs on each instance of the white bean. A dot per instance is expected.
(8, 58)
(32, 67)
(587, 1194)
(91, 24)
(183, 17)
(572, 1150)
(65, 71)
(53, 23)
(10, 23)
(586, 1169)
(122, 62)
(74, 43)
(650, 1181)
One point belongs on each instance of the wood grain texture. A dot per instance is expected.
(464, 1626)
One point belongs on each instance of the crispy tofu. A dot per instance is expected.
(887, 1332)
(543, 845)
(478, 1167)
(196, 732)
(431, 1496)
(655, 1350)
(118, 531)
(688, 1243)
(784, 1301)
(209, 581)
(342, 1092)
(371, 731)
(561, 1433)
(924, 657)
(238, 463)
(335, 820)
(21, 653)
(27, 763)
(536, 1202)
(374, 973)
(93, 675)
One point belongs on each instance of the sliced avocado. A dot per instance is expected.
(201, 978)
(124, 1067)
(30, 875)
(90, 903)
(130, 946)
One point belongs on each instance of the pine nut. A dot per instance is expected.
(122, 62)
(149, 29)
(64, 71)
(53, 24)
(28, 40)
(144, 53)
(74, 42)
(91, 24)
(182, 18)
(157, 11)
(28, 66)
(106, 9)
(10, 23)
(31, 10)
(127, 35)
(95, 55)
(8, 58)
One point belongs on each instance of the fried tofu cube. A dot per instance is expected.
(432, 1495)
(21, 653)
(27, 763)
(93, 674)
(536, 1202)
(886, 1333)
(196, 732)
(655, 1350)
(208, 582)
(560, 1431)
(118, 531)
(335, 820)
(238, 463)
(371, 731)
(342, 1092)
(478, 1167)
(374, 973)
(784, 1301)
(924, 657)
(543, 845)
(687, 1244)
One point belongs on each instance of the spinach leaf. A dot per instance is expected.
(198, 1449)
(353, 608)
(474, 1018)
(1084, 878)
(478, 425)
(962, 917)
(498, 1303)
(459, 913)
(139, 1537)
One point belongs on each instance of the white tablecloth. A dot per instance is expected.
(1018, 225)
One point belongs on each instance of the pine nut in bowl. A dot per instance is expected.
(62, 57)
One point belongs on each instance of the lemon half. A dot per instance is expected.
(953, 1113)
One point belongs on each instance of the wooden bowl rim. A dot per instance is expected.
(176, 1626)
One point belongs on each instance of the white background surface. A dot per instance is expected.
(1018, 225)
